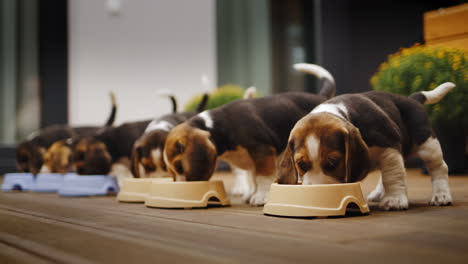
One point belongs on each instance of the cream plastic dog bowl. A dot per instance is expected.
(314, 200)
(135, 190)
(186, 194)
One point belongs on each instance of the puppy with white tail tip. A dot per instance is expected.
(248, 134)
(250, 93)
(344, 138)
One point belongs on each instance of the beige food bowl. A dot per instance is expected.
(186, 194)
(314, 200)
(135, 190)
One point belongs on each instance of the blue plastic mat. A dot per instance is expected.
(88, 185)
(18, 182)
(48, 182)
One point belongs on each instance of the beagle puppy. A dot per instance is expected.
(108, 151)
(58, 158)
(344, 138)
(248, 134)
(30, 153)
(148, 149)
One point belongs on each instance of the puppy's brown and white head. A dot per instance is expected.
(58, 157)
(91, 156)
(148, 151)
(190, 154)
(324, 148)
(29, 157)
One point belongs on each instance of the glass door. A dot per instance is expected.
(19, 75)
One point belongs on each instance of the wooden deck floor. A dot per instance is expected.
(45, 228)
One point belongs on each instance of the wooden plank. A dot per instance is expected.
(119, 244)
(146, 242)
(70, 243)
(337, 229)
(230, 217)
(446, 22)
(459, 42)
(11, 254)
(40, 250)
(340, 230)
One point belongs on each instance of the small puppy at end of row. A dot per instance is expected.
(36, 154)
(344, 138)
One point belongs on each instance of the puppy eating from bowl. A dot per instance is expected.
(248, 134)
(147, 159)
(147, 155)
(344, 138)
(48, 150)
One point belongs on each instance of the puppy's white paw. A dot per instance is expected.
(244, 186)
(441, 198)
(242, 190)
(259, 198)
(441, 193)
(394, 202)
(376, 195)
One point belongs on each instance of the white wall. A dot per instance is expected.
(149, 45)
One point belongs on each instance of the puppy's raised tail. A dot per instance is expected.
(251, 92)
(111, 118)
(204, 101)
(327, 86)
(434, 96)
(208, 88)
(171, 96)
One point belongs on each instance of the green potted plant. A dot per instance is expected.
(421, 68)
(223, 95)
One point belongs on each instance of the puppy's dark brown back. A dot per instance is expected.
(119, 140)
(266, 120)
(387, 120)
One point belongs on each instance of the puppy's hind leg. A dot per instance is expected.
(394, 180)
(431, 153)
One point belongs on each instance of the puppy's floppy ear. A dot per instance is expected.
(287, 173)
(357, 160)
(37, 160)
(136, 156)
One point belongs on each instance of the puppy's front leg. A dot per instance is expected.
(265, 175)
(260, 197)
(44, 169)
(394, 180)
(121, 171)
(378, 193)
(243, 183)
